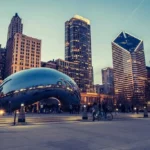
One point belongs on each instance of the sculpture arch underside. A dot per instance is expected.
(33, 85)
(51, 101)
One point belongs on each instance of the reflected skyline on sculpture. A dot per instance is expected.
(32, 85)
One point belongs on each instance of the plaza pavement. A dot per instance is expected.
(8, 120)
(125, 133)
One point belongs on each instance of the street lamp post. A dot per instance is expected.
(84, 115)
(145, 112)
(21, 117)
(9, 108)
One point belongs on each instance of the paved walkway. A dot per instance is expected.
(8, 120)
(125, 134)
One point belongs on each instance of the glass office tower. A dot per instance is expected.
(2, 62)
(78, 49)
(129, 68)
(108, 80)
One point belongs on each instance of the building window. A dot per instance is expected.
(38, 50)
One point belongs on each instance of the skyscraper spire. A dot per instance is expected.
(15, 26)
(16, 14)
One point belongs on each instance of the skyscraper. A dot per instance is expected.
(15, 26)
(108, 80)
(78, 49)
(148, 72)
(49, 64)
(2, 62)
(23, 52)
(129, 68)
(147, 86)
(69, 68)
(99, 89)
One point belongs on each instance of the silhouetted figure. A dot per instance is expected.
(71, 109)
(137, 110)
(132, 109)
(99, 106)
(78, 109)
(104, 106)
(95, 110)
(123, 108)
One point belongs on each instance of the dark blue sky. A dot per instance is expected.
(44, 19)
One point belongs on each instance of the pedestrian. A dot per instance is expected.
(137, 110)
(78, 109)
(132, 109)
(71, 109)
(104, 106)
(95, 110)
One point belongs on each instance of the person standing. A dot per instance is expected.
(71, 109)
(137, 110)
(95, 110)
(104, 106)
(78, 109)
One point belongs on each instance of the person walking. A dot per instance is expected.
(95, 110)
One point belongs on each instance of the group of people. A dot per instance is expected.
(100, 108)
(127, 108)
(44, 108)
(74, 109)
(95, 108)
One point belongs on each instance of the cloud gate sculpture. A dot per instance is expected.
(32, 85)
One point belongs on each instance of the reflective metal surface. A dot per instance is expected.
(32, 85)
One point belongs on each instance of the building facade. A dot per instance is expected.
(90, 98)
(2, 62)
(129, 68)
(23, 52)
(49, 64)
(69, 68)
(98, 88)
(78, 49)
(108, 80)
(147, 87)
(15, 26)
